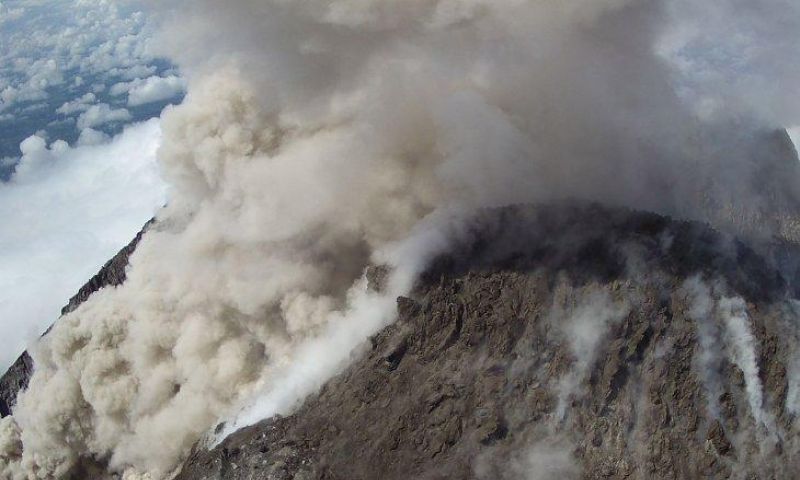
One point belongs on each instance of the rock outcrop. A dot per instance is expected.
(563, 342)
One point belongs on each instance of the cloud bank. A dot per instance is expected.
(57, 58)
(154, 89)
(44, 39)
(77, 105)
(97, 115)
(318, 137)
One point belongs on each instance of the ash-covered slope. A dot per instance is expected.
(559, 342)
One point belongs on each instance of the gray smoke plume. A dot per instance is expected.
(723, 327)
(585, 326)
(549, 459)
(793, 375)
(708, 358)
(318, 137)
(742, 345)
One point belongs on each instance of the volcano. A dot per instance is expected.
(445, 239)
(568, 340)
(563, 342)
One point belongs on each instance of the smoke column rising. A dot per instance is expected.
(318, 137)
(743, 346)
(709, 356)
(585, 327)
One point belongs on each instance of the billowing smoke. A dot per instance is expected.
(321, 136)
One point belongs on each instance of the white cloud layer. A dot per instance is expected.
(155, 89)
(101, 114)
(45, 40)
(151, 89)
(80, 104)
(65, 213)
(9, 14)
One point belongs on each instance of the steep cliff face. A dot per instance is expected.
(14, 381)
(563, 342)
(112, 273)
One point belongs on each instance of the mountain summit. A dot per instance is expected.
(562, 342)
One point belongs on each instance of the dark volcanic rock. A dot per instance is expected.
(113, 273)
(14, 381)
(467, 383)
